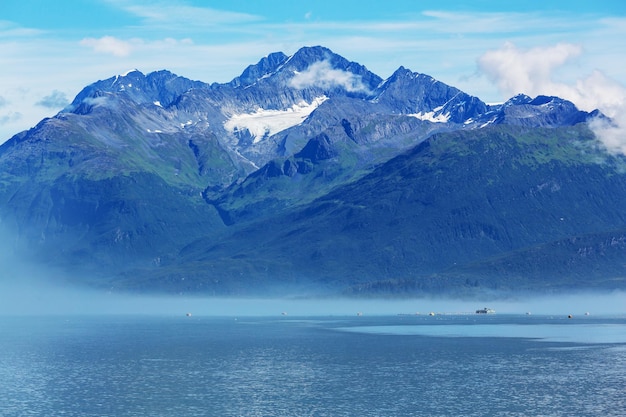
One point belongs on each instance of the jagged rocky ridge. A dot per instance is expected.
(164, 183)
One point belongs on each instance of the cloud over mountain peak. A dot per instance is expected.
(322, 74)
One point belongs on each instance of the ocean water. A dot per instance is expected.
(465, 365)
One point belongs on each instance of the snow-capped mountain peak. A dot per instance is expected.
(290, 99)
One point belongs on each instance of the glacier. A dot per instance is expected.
(265, 123)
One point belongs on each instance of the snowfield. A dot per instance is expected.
(265, 123)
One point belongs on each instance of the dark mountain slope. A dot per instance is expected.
(588, 262)
(134, 219)
(457, 199)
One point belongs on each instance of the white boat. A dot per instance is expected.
(485, 311)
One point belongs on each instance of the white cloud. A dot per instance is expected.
(96, 101)
(322, 74)
(528, 71)
(532, 72)
(612, 134)
(108, 45)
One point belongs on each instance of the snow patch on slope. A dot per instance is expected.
(432, 116)
(265, 123)
(130, 71)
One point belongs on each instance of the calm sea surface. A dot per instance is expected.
(491, 365)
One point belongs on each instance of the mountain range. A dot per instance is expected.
(310, 175)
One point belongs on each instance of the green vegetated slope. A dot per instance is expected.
(101, 197)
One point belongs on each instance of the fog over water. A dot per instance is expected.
(26, 289)
(33, 296)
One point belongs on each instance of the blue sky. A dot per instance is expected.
(50, 50)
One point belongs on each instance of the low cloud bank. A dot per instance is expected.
(27, 288)
(36, 292)
(533, 72)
